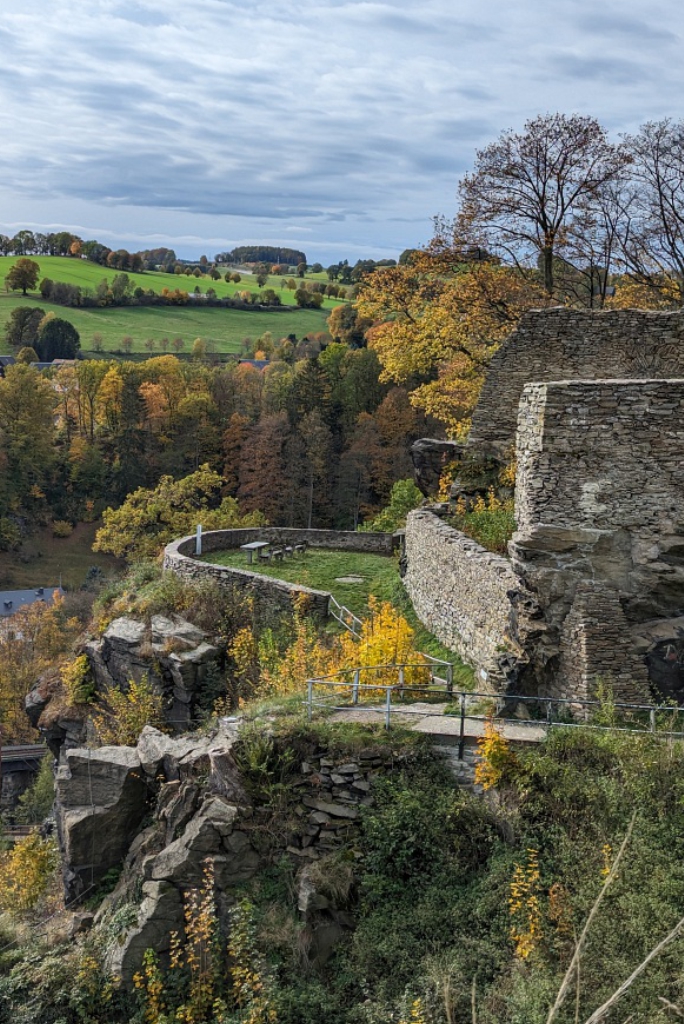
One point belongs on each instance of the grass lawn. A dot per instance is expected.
(379, 574)
(224, 328)
(321, 570)
(42, 559)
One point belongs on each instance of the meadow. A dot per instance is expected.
(223, 329)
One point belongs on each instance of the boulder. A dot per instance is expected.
(210, 833)
(430, 458)
(101, 802)
(160, 914)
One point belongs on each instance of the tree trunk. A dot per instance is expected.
(547, 253)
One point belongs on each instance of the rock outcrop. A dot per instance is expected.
(176, 657)
(174, 654)
(430, 458)
(162, 810)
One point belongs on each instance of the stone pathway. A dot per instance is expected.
(430, 719)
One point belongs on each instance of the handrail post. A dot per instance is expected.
(401, 681)
(355, 686)
(450, 678)
(652, 719)
(461, 734)
(388, 708)
(309, 686)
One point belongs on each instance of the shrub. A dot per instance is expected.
(61, 528)
(122, 716)
(490, 521)
(36, 803)
(26, 871)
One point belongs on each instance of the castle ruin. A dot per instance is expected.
(593, 588)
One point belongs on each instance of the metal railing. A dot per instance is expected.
(544, 713)
(346, 618)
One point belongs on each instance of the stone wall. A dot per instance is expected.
(464, 595)
(597, 562)
(600, 512)
(562, 344)
(270, 594)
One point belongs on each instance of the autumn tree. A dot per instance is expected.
(526, 189)
(318, 447)
(437, 322)
(151, 517)
(23, 275)
(262, 471)
(27, 402)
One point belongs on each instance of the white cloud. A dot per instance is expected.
(346, 122)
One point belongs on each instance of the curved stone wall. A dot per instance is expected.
(271, 593)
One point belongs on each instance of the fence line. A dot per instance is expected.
(553, 712)
(345, 617)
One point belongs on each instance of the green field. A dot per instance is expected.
(224, 329)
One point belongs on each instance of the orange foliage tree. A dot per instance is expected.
(31, 641)
(441, 319)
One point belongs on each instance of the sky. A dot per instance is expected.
(339, 127)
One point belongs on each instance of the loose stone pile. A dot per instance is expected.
(330, 795)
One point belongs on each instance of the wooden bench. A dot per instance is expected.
(288, 551)
(277, 554)
(301, 548)
(264, 556)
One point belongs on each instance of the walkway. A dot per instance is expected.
(431, 720)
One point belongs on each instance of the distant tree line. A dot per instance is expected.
(270, 254)
(346, 274)
(122, 291)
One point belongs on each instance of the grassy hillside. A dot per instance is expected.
(225, 328)
(42, 560)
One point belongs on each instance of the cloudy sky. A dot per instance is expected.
(336, 126)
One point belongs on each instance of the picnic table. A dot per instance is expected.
(254, 545)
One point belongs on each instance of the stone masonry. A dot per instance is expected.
(562, 344)
(597, 562)
(461, 593)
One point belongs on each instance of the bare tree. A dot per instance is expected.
(521, 200)
(652, 216)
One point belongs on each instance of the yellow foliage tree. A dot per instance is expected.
(386, 638)
(150, 518)
(26, 871)
(306, 656)
(495, 757)
(122, 716)
(631, 294)
(525, 907)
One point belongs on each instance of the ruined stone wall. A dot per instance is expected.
(562, 344)
(462, 593)
(600, 512)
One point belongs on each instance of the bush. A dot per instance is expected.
(62, 528)
(490, 521)
(26, 871)
(35, 805)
